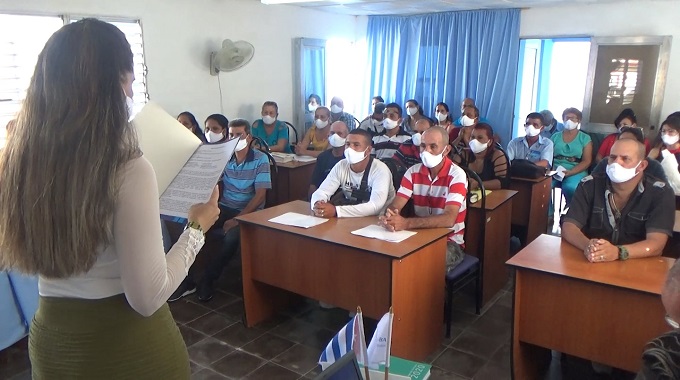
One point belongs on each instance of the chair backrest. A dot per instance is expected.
(292, 132)
(505, 184)
(654, 169)
(261, 145)
(397, 169)
(357, 123)
(482, 221)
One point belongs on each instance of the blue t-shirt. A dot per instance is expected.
(241, 180)
(280, 132)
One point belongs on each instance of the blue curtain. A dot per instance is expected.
(447, 57)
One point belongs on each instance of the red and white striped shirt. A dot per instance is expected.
(430, 196)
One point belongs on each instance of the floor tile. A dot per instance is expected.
(459, 362)
(502, 356)
(26, 375)
(274, 321)
(462, 319)
(211, 323)
(207, 374)
(271, 371)
(208, 351)
(499, 311)
(433, 356)
(233, 311)
(455, 332)
(476, 344)
(237, 364)
(185, 311)
(190, 335)
(301, 307)
(237, 335)
(492, 328)
(300, 358)
(437, 373)
(300, 332)
(268, 346)
(195, 367)
(14, 360)
(220, 299)
(332, 319)
(506, 300)
(493, 371)
(464, 302)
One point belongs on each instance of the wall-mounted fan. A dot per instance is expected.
(232, 56)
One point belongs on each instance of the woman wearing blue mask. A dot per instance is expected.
(273, 131)
(216, 128)
(573, 151)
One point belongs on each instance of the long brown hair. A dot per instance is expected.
(60, 171)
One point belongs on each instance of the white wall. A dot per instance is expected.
(180, 34)
(635, 18)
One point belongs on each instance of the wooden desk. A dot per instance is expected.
(604, 312)
(530, 206)
(329, 264)
(496, 252)
(291, 183)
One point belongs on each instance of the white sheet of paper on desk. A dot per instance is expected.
(305, 158)
(298, 220)
(377, 232)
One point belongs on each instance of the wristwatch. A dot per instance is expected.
(623, 253)
(197, 226)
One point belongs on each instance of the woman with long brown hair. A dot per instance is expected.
(79, 207)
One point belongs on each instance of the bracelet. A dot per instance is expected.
(195, 226)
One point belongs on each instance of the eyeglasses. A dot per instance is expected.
(671, 322)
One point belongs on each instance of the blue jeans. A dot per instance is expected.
(230, 244)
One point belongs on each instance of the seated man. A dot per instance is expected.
(246, 180)
(338, 113)
(374, 122)
(272, 131)
(328, 158)
(356, 186)
(386, 143)
(438, 188)
(622, 214)
(408, 153)
(533, 146)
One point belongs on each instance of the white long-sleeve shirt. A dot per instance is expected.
(135, 263)
(342, 177)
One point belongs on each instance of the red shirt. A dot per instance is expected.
(608, 142)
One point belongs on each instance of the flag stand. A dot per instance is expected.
(389, 344)
(363, 346)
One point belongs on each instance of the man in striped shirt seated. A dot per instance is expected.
(438, 188)
(408, 153)
(386, 143)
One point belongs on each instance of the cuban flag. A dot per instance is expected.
(349, 338)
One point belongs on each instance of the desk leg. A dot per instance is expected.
(418, 301)
(529, 362)
(260, 301)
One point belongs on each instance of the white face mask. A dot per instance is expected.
(268, 119)
(321, 124)
(213, 137)
(477, 147)
(312, 107)
(531, 131)
(411, 110)
(441, 116)
(466, 121)
(336, 141)
(670, 140)
(390, 124)
(571, 125)
(242, 144)
(130, 107)
(619, 174)
(416, 139)
(354, 157)
(336, 108)
(430, 160)
(377, 123)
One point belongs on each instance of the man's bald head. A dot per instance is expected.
(340, 128)
(631, 148)
(422, 125)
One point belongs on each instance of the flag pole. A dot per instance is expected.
(363, 346)
(389, 345)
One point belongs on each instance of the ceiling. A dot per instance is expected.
(405, 7)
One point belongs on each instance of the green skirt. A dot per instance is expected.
(104, 339)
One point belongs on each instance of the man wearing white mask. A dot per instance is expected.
(438, 188)
(271, 130)
(328, 158)
(338, 113)
(386, 143)
(533, 146)
(246, 180)
(356, 186)
(408, 153)
(373, 123)
(622, 213)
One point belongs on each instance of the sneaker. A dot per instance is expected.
(206, 291)
(185, 288)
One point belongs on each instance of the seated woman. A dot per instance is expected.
(216, 128)
(484, 159)
(443, 116)
(572, 150)
(188, 120)
(313, 102)
(667, 150)
(626, 119)
(271, 130)
(316, 138)
(414, 112)
(460, 137)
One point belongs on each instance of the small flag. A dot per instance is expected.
(359, 342)
(341, 343)
(379, 348)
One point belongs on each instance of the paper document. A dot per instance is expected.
(377, 232)
(476, 195)
(186, 171)
(298, 220)
(305, 158)
(559, 175)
